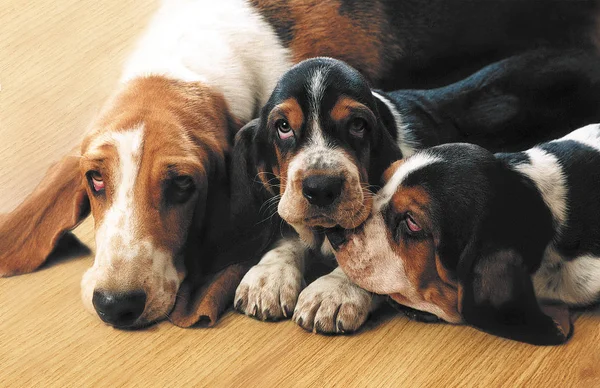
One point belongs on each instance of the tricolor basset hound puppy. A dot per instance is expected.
(501, 242)
(152, 169)
(315, 156)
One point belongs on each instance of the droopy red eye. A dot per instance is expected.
(97, 181)
(411, 224)
(284, 130)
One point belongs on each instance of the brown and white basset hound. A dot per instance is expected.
(153, 167)
(315, 156)
(503, 242)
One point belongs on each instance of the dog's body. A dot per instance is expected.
(507, 104)
(153, 167)
(485, 240)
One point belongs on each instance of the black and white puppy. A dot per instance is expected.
(315, 156)
(502, 242)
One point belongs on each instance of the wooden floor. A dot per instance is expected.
(58, 61)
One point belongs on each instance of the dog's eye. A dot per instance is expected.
(357, 127)
(96, 181)
(411, 224)
(180, 189)
(284, 130)
(183, 182)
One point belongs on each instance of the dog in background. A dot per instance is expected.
(323, 140)
(153, 167)
(495, 241)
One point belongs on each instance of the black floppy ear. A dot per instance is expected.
(384, 152)
(251, 227)
(251, 183)
(217, 265)
(497, 296)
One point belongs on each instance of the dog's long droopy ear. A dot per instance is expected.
(497, 296)
(201, 302)
(30, 233)
(251, 183)
(216, 269)
(384, 152)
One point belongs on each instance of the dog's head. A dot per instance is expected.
(316, 145)
(456, 233)
(152, 171)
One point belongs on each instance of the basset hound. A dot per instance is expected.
(315, 155)
(502, 242)
(153, 167)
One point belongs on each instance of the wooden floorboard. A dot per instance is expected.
(58, 61)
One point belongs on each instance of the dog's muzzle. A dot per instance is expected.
(322, 190)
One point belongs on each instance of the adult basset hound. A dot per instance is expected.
(152, 168)
(501, 242)
(324, 139)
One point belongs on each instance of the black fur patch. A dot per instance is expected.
(509, 105)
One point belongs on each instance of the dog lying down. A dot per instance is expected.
(322, 142)
(502, 242)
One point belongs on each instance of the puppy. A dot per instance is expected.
(501, 242)
(204, 67)
(315, 155)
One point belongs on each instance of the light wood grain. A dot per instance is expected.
(58, 61)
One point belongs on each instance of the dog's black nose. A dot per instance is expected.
(119, 309)
(322, 190)
(336, 237)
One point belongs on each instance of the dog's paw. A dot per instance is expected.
(333, 304)
(269, 291)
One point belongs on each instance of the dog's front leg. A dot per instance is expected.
(333, 304)
(270, 289)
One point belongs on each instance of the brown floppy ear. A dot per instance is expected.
(496, 295)
(202, 302)
(30, 233)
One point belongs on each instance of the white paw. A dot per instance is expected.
(269, 291)
(333, 304)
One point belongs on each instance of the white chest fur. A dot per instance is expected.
(225, 44)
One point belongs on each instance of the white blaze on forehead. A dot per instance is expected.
(407, 145)
(546, 172)
(317, 86)
(143, 264)
(588, 135)
(412, 164)
(119, 219)
(316, 89)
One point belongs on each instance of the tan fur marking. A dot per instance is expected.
(389, 172)
(288, 110)
(344, 108)
(421, 263)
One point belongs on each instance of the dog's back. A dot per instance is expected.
(566, 172)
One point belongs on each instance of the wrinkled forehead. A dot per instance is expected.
(126, 141)
(318, 84)
(401, 172)
(144, 146)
